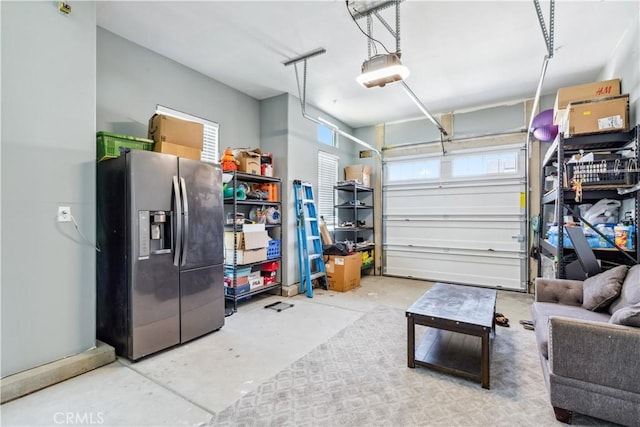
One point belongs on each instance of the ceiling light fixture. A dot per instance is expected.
(382, 69)
(379, 70)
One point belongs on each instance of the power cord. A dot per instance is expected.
(362, 31)
(82, 235)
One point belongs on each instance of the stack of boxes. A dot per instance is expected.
(250, 246)
(590, 108)
(255, 162)
(175, 136)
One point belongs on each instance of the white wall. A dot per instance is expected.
(48, 159)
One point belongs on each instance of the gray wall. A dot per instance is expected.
(273, 139)
(624, 65)
(48, 159)
(293, 140)
(132, 80)
(302, 150)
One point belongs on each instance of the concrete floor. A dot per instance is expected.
(187, 384)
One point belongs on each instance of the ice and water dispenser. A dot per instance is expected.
(155, 233)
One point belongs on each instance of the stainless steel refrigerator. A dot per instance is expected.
(160, 265)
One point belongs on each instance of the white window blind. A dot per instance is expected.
(327, 178)
(210, 137)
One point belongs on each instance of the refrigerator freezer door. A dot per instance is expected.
(201, 302)
(155, 281)
(203, 240)
(155, 314)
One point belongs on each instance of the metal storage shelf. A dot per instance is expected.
(615, 140)
(238, 227)
(234, 206)
(559, 198)
(553, 249)
(588, 193)
(353, 187)
(253, 264)
(253, 292)
(241, 176)
(251, 202)
(352, 203)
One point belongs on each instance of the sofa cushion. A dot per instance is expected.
(628, 316)
(540, 312)
(630, 292)
(598, 291)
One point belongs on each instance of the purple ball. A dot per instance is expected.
(546, 133)
(544, 118)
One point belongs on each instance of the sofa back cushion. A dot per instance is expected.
(628, 316)
(600, 290)
(630, 292)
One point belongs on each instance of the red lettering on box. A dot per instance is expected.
(603, 90)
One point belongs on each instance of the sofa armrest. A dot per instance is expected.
(595, 352)
(563, 291)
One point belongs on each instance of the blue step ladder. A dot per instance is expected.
(310, 262)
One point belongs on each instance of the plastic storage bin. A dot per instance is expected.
(110, 145)
(273, 250)
(606, 171)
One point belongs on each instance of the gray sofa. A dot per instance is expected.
(588, 338)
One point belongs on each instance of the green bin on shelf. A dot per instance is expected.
(110, 145)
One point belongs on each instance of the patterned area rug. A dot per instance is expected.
(360, 377)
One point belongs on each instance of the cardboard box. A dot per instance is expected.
(343, 272)
(598, 116)
(245, 256)
(360, 173)
(175, 131)
(249, 162)
(584, 92)
(177, 150)
(246, 240)
(256, 283)
(240, 281)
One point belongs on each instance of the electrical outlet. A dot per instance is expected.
(64, 214)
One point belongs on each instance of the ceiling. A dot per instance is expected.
(461, 54)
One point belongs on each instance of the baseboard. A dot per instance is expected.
(29, 381)
(290, 290)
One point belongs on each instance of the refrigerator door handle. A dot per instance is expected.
(185, 203)
(178, 218)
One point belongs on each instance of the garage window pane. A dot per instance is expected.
(485, 164)
(415, 169)
(326, 135)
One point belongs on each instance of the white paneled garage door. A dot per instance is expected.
(458, 218)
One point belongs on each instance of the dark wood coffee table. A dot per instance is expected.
(456, 316)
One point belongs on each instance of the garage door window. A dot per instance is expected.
(411, 170)
(485, 164)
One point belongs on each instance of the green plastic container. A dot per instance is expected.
(111, 145)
